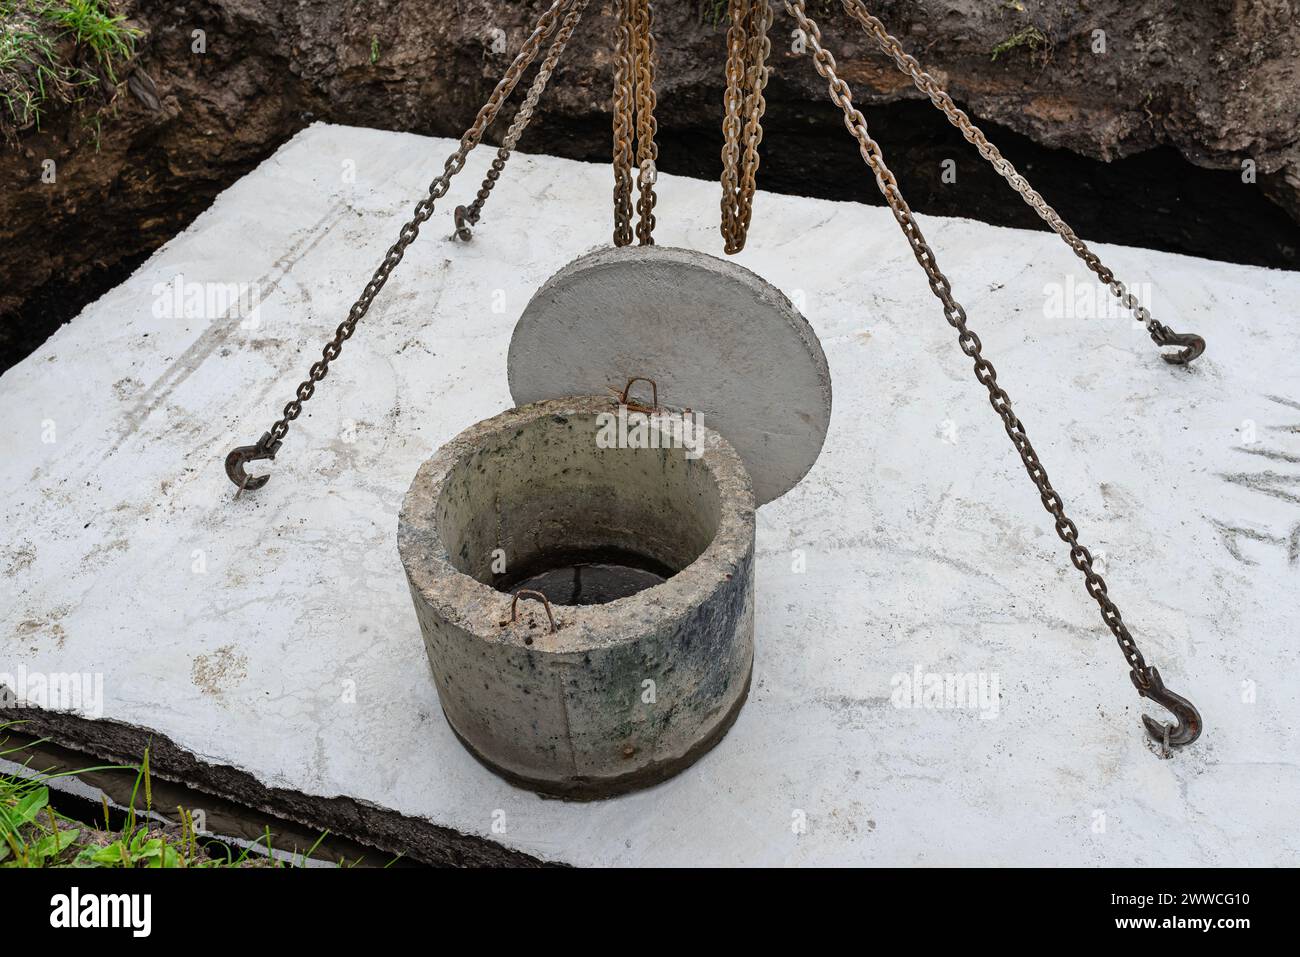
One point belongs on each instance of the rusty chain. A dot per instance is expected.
(1145, 678)
(624, 131)
(634, 122)
(748, 47)
(269, 444)
(634, 92)
(468, 216)
(647, 151)
(1162, 335)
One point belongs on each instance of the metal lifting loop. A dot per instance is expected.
(1187, 727)
(627, 391)
(536, 596)
(240, 457)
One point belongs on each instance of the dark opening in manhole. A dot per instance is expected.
(586, 577)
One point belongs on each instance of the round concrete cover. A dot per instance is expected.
(714, 337)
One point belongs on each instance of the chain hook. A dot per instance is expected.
(464, 220)
(238, 458)
(1193, 346)
(1187, 727)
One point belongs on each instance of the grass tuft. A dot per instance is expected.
(94, 24)
(33, 834)
(1029, 37)
(55, 52)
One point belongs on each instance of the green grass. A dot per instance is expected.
(56, 52)
(94, 24)
(1030, 38)
(33, 834)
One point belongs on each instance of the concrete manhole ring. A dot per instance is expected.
(622, 694)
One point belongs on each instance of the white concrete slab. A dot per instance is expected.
(274, 633)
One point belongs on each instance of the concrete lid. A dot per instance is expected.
(714, 337)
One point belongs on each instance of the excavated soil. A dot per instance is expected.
(1142, 144)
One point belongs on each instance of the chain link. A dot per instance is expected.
(970, 344)
(647, 151)
(624, 131)
(634, 119)
(1160, 333)
(469, 216)
(748, 47)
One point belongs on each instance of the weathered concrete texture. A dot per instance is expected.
(621, 695)
(711, 335)
(273, 634)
